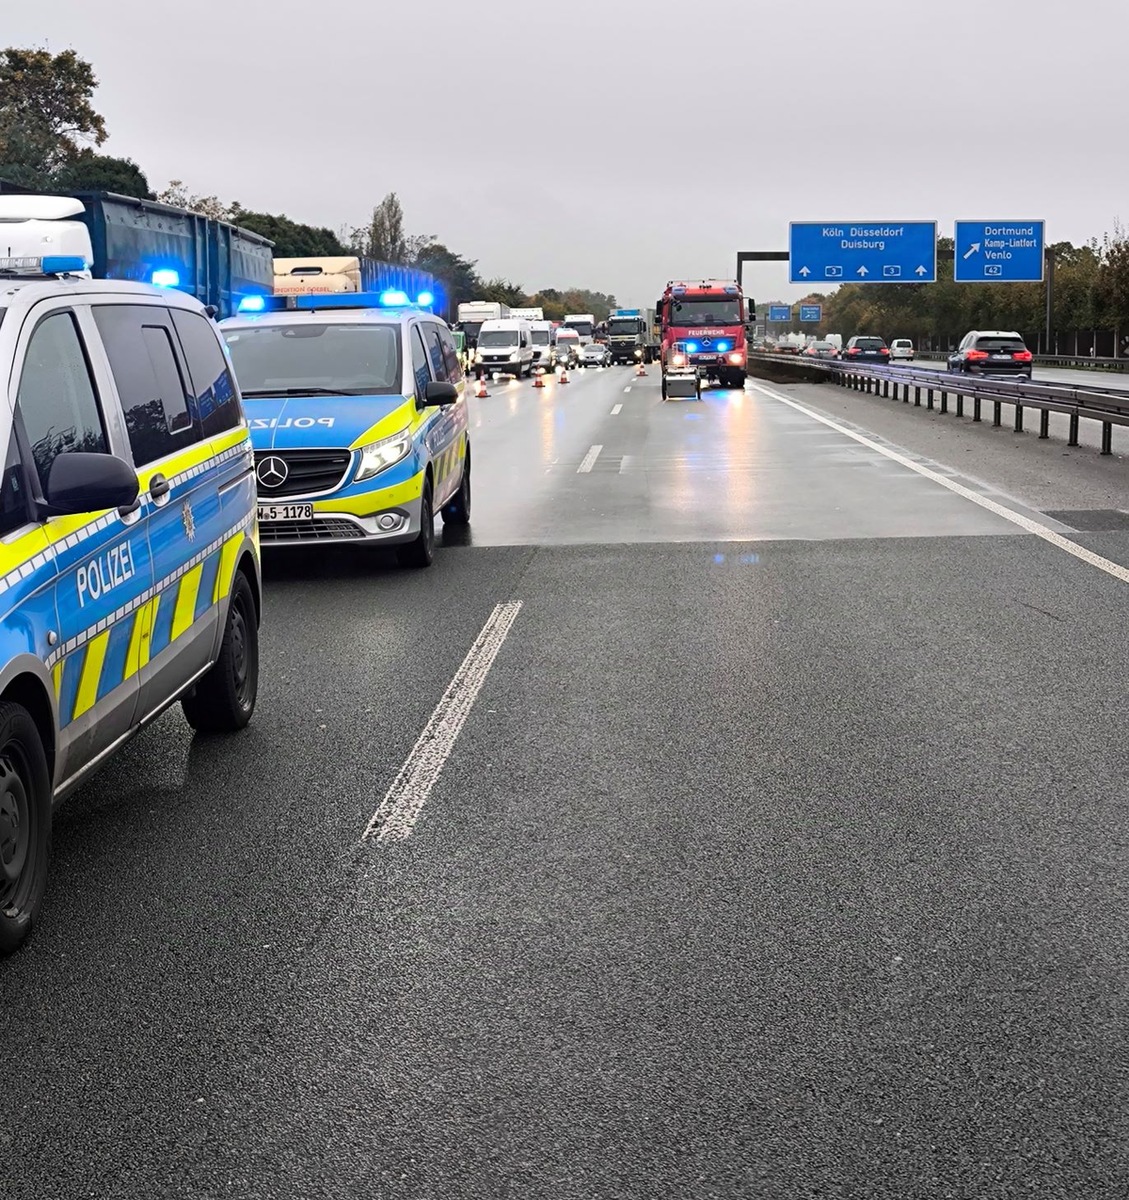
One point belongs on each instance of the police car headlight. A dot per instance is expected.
(379, 456)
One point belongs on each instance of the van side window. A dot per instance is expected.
(56, 397)
(435, 350)
(419, 364)
(213, 386)
(13, 491)
(139, 344)
(450, 355)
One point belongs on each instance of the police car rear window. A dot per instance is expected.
(346, 359)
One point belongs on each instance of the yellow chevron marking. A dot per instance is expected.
(185, 612)
(226, 572)
(140, 638)
(91, 674)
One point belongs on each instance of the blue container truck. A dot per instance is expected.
(144, 241)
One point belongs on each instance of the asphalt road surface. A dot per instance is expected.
(747, 815)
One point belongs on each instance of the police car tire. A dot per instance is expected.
(21, 751)
(215, 704)
(421, 551)
(457, 511)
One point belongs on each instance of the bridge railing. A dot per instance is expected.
(1109, 406)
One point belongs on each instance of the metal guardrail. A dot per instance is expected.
(1107, 405)
(1079, 362)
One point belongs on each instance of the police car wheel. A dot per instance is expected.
(223, 701)
(457, 512)
(25, 824)
(421, 551)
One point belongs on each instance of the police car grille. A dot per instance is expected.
(308, 471)
(320, 529)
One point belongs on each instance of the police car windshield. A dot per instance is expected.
(497, 337)
(316, 359)
(722, 311)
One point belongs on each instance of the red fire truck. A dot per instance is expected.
(708, 317)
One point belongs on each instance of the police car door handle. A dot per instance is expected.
(159, 488)
(128, 510)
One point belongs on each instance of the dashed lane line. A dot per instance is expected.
(589, 460)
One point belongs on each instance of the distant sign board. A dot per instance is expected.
(998, 252)
(811, 312)
(862, 251)
(779, 312)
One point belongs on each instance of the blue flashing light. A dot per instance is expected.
(63, 264)
(165, 277)
(320, 300)
(425, 299)
(692, 347)
(252, 304)
(722, 347)
(394, 299)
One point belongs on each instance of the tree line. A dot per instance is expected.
(49, 138)
(1090, 303)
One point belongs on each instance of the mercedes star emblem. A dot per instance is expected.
(272, 472)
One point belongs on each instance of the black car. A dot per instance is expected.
(862, 348)
(992, 352)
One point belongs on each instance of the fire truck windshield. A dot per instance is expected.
(724, 310)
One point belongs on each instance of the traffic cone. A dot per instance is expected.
(640, 369)
(481, 391)
(539, 378)
(564, 375)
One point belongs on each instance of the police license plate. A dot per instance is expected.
(286, 512)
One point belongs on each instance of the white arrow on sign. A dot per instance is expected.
(862, 271)
(973, 249)
(921, 271)
(804, 271)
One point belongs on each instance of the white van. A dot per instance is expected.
(901, 348)
(505, 346)
(543, 353)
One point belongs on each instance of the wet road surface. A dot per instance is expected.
(782, 851)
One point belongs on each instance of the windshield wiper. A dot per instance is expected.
(296, 391)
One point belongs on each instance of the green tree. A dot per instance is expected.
(457, 273)
(383, 237)
(91, 172)
(177, 195)
(46, 114)
(502, 291)
(291, 239)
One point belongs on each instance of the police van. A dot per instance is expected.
(129, 563)
(358, 415)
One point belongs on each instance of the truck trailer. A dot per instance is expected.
(139, 240)
(352, 273)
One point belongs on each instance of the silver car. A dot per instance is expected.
(595, 354)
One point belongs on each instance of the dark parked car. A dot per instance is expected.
(992, 352)
(866, 349)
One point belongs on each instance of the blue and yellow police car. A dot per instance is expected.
(358, 415)
(129, 561)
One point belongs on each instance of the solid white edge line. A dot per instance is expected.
(616, 409)
(1024, 523)
(398, 812)
(589, 460)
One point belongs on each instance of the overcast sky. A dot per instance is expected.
(620, 144)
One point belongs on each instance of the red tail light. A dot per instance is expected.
(976, 355)
(852, 350)
(884, 350)
(1022, 356)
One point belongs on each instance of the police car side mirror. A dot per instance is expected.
(80, 482)
(439, 393)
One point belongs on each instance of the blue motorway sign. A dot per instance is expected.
(862, 252)
(779, 312)
(811, 312)
(998, 252)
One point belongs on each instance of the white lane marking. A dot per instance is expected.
(616, 409)
(625, 462)
(404, 800)
(1025, 523)
(589, 460)
(628, 388)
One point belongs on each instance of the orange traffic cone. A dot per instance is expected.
(640, 369)
(539, 378)
(481, 391)
(564, 375)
